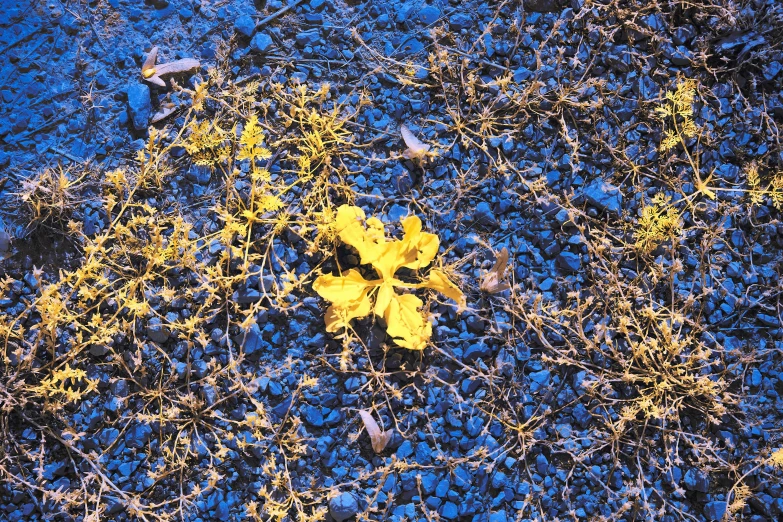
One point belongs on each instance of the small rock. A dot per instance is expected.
(222, 512)
(407, 48)
(459, 21)
(313, 416)
(697, 480)
(681, 56)
(157, 332)
(261, 43)
(397, 212)
(581, 415)
(139, 105)
(522, 74)
(768, 320)
(484, 215)
(137, 436)
(343, 507)
(604, 196)
(569, 262)
(251, 342)
(715, 511)
(306, 38)
(499, 480)
(245, 25)
(542, 464)
(499, 516)
(755, 378)
(475, 351)
(429, 15)
(449, 511)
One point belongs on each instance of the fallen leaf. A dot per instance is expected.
(152, 72)
(493, 282)
(165, 112)
(378, 439)
(416, 149)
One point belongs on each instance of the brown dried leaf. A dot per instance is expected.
(165, 112)
(416, 149)
(184, 65)
(152, 72)
(378, 439)
(493, 282)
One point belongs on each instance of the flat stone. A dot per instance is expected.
(429, 15)
(262, 43)
(343, 507)
(139, 105)
(604, 196)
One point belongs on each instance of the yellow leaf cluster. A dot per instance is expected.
(774, 188)
(206, 144)
(659, 222)
(776, 459)
(678, 103)
(252, 142)
(350, 293)
(57, 384)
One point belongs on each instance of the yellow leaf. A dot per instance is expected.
(343, 291)
(440, 281)
(385, 295)
(424, 245)
(406, 324)
(351, 230)
(340, 317)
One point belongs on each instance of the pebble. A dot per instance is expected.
(604, 196)
(569, 262)
(429, 15)
(715, 511)
(246, 26)
(484, 214)
(697, 480)
(343, 506)
(261, 42)
(139, 105)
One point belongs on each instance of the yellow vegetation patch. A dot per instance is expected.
(350, 292)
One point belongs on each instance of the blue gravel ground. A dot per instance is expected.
(516, 412)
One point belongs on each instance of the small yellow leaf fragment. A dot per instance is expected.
(440, 282)
(776, 459)
(343, 290)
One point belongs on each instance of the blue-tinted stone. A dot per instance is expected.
(261, 43)
(715, 511)
(343, 507)
(245, 25)
(429, 14)
(139, 105)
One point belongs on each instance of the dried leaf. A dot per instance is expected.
(152, 72)
(378, 439)
(493, 282)
(184, 65)
(416, 149)
(163, 113)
